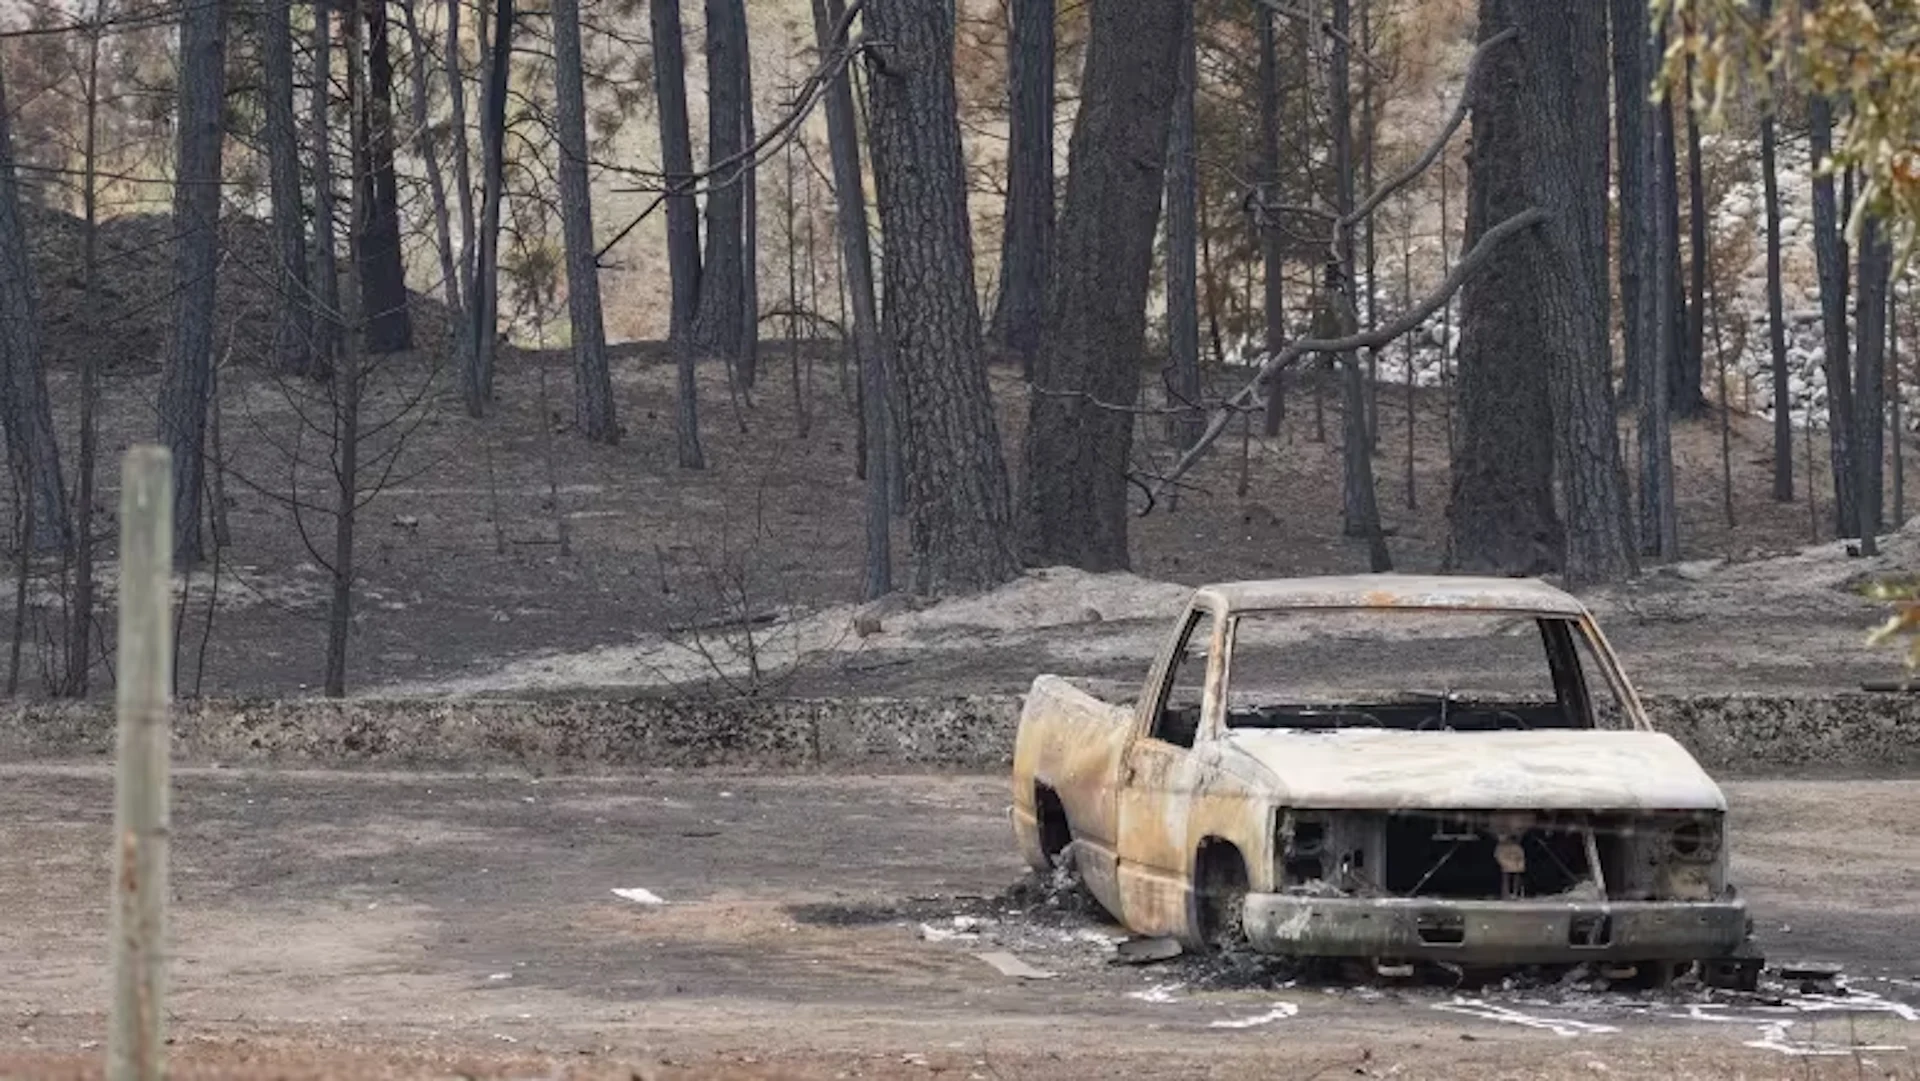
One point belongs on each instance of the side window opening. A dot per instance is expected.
(1176, 717)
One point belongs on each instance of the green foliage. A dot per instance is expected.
(1865, 54)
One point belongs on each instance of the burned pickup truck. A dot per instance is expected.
(1391, 768)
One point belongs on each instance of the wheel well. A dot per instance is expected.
(1219, 888)
(1055, 832)
(1218, 867)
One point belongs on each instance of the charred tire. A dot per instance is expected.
(1219, 896)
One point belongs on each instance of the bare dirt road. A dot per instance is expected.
(386, 925)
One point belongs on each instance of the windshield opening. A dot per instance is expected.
(1422, 670)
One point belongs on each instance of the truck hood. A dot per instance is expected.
(1371, 768)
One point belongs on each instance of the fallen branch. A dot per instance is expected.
(1248, 395)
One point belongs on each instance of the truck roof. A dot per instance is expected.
(1426, 591)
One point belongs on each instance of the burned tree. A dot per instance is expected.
(1776, 316)
(856, 260)
(1556, 113)
(1830, 257)
(1026, 252)
(293, 327)
(1183, 249)
(25, 413)
(593, 410)
(483, 298)
(1500, 512)
(958, 505)
(719, 324)
(683, 221)
(383, 275)
(187, 382)
(1079, 435)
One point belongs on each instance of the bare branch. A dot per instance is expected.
(1440, 141)
(1248, 395)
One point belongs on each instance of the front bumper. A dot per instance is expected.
(1495, 932)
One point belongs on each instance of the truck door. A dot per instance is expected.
(1160, 773)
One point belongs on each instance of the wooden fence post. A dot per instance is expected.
(135, 1039)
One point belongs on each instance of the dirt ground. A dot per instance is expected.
(826, 926)
(510, 541)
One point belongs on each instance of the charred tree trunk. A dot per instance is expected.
(1026, 251)
(293, 327)
(1079, 424)
(749, 363)
(1359, 501)
(188, 378)
(1272, 254)
(856, 259)
(1698, 251)
(345, 389)
(593, 410)
(1683, 374)
(484, 300)
(79, 638)
(958, 503)
(1500, 511)
(383, 275)
(1876, 264)
(462, 187)
(1659, 518)
(1561, 116)
(425, 146)
(1776, 315)
(1831, 258)
(1634, 143)
(1183, 252)
(683, 221)
(1370, 259)
(723, 274)
(326, 267)
(26, 416)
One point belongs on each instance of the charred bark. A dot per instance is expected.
(188, 377)
(1272, 254)
(1776, 315)
(1183, 251)
(484, 300)
(1500, 511)
(1634, 147)
(1079, 436)
(1697, 253)
(1876, 265)
(593, 410)
(326, 267)
(383, 275)
(1831, 258)
(717, 329)
(26, 416)
(1026, 250)
(1561, 117)
(1683, 372)
(683, 221)
(1659, 518)
(856, 260)
(959, 509)
(293, 326)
